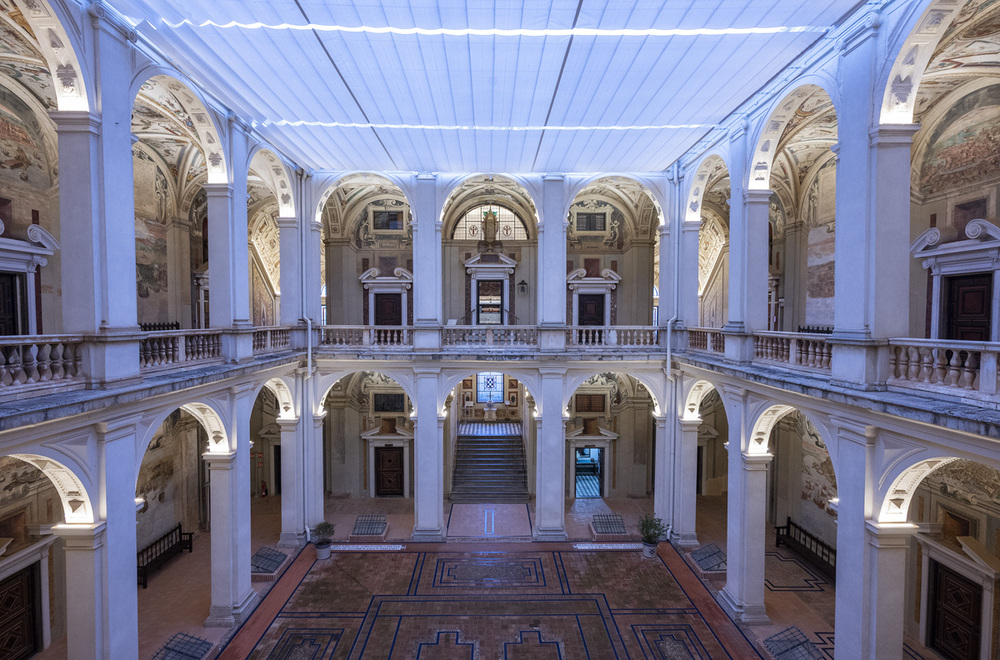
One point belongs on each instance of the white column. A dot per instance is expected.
(552, 263)
(739, 238)
(757, 203)
(291, 284)
(311, 297)
(427, 261)
(313, 485)
(854, 508)
(685, 483)
(292, 495)
(87, 619)
(550, 461)
(886, 589)
(232, 594)
(687, 274)
(795, 275)
(117, 449)
(663, 479)
(97, 214)
(428, 463)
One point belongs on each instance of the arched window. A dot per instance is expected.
(509, 226)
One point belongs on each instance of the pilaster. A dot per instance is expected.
(428, 468)
(552, 264)
(685, 483)
(292, 478)
(291, 280)
(550, 461)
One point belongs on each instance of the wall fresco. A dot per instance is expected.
(963, 147)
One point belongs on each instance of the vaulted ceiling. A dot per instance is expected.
(496, 86)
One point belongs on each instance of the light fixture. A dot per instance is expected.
(522, 287)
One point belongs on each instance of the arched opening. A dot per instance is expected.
(489, 453)
(710, 205)
(707, 414)
(368, 253)
(368, 457)
(170, 168)
(954, 504)
(610, 455)
(490, 254)
(37, 495)
(30, 277)
(795, 161)
(612, 256)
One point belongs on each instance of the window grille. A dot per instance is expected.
(489, 387)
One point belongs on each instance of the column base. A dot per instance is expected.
(752, 615)
(428, 536)
(556, 534)
(684, 541)
(220, 616)
(292, 540)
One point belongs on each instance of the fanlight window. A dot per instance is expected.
(509, 226)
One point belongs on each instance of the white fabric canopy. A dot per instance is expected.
(453, 86)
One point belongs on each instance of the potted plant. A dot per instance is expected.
(322, 532)
(650, 531)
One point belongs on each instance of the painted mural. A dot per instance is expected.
(22, 157)
(963, 147)
(820, 216)
(150, 239)
(263, 299)
(819, 484)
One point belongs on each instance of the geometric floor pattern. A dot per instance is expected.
(525, 603)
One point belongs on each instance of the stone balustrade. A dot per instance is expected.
(30, 363)
(273, 338)
(486, 336)
(810, 351)
(164, 349)
(613, 336)
(710, 340)
(360, 336)
(944, 365)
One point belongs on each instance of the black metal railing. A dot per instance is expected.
(821, 555)
(159, 327)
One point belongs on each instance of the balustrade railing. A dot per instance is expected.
(162, 349)
(803, 350)
(272, 338)
(620, 336)
(950, 365)
(507, 336)
(385, 336)
(27, 361)
(706, 339)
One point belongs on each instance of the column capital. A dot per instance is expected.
(81, 536)
(76, 121)
(287, 424)
(286, 222)
(892, 134)
(220, 460)
(689, 425)
(218, 189)
(755, 462)
(757, 196)
(319, 417)
(889, 535)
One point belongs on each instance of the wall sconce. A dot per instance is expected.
(522, 287)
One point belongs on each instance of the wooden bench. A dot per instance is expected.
(157, 553)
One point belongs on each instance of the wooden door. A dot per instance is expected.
(388, 309)
(967, 311)
(955, 617)
(19, 616)
(13, 312)
(389, 471)
(591, 309)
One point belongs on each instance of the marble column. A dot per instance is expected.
(289, 264)
(552, 264)
(292, 495)
(427, 262)
(88, 628)
(885, 586)
(428, 467)
(550, 461)
(232, 596)
(685, 483)
(664, 476)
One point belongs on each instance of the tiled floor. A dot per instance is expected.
(444, 579)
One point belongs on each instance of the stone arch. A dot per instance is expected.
(699, 180)
(190, 105)
(575, 379)
(72, 82)
(653, 191)
(274, 172)
(918, 36)
(772, 413)
(402, 378)
(457, 204)
(204, 413)
(630, 209)
(526, 377)
(699, 389)
(330, 184)
(76, 501)
(281, 390)
(773, 127)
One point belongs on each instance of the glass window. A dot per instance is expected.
(489, 387)
(387, 220)
(509, 226)
(591, 222)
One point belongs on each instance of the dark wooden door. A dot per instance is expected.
(13, 312)
(388, 309)
(19, 616)
(956, 609)
(591, 309)
(967, 311)
(389, 471)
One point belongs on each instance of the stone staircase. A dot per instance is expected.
(489, 463)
